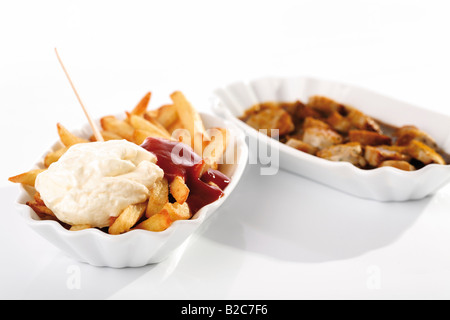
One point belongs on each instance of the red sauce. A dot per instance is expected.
(178, 159)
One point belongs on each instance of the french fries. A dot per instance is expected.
(215, 148)
(167, 202)
(167, 115)
(139, 123)
(80, 227)
(177, 211)
(179, 190)
(141, 107)
(54, 156)
(27, 178)
(127, 219)
(38, 205)
(107, 135)
(190, 118)
(159, 196)
(68, 139)
(156, 223)
(119, 127)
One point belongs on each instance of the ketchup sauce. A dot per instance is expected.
(178, 159)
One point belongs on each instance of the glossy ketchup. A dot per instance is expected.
(177, 159)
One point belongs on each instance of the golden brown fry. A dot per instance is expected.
(39, 206)
(139, 123)
(189, 116)
(141, 107)
(216, 147)
(166, 115)
(179, 190)
(177, 211)
(174, 126)
(80, 227)
(67, 138)
(152, 119)
(128, 218)
(54, 156)
(119, 127)
(182, 135)
(139, 136)
(107, 135)
(159, 196)
(158, 222)
(27, 178)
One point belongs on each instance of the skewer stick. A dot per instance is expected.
(97, 134)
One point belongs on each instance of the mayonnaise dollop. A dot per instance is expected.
(94, 181)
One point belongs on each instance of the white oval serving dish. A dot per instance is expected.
(136, 248)
(382, 184)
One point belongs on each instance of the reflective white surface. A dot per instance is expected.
(279, 236)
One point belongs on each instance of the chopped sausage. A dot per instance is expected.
(321, 137)
(368, 137)
(350, 152)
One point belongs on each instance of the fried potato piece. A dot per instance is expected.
(167, 115)
(139, 136)
(153, 120)
(156, 223)
(420, 151)
(159, 196)
(179, 190)
(80, 227)
(182, 135)
(38, 205)
(139, 123)
(215, 147)
(107, 135)
(27, 178)
(174, 126)
(127, 219)
(272, 118)
(399, 164)
(177, 211)
(406, 134)
(119, 127)
(375, 155)
(321, 138)
(189, 116)
(302, 146)
(350, 152)
(67, 138)
(141, 108)
(366, 137)
(54, 156)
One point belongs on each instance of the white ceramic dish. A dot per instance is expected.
(137, 247)
(382, 184)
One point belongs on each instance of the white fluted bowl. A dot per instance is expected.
(136, 248)
(382, 184)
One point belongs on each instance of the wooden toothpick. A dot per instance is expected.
(97, 134)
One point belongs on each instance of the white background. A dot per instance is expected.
(275, 237)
